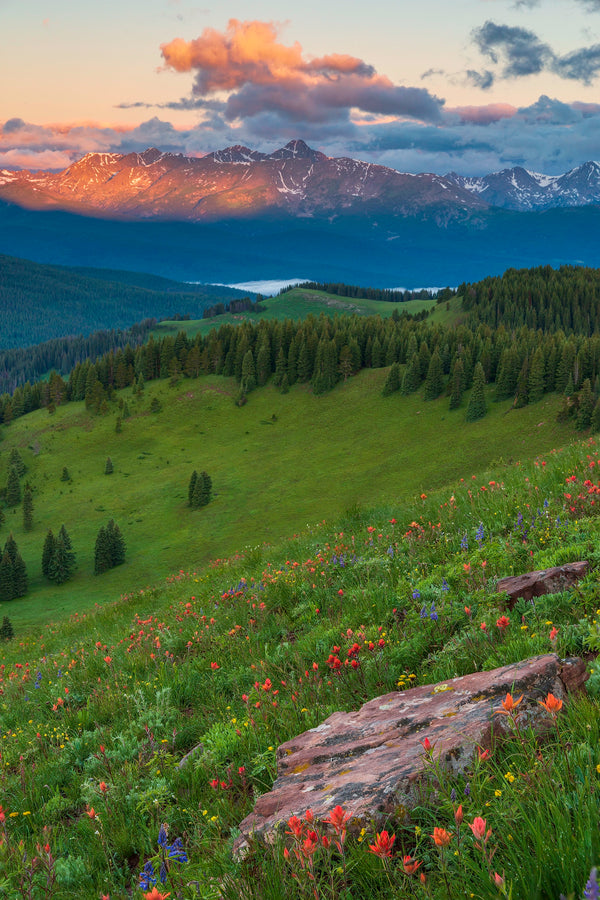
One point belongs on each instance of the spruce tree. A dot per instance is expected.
(457, 385)
(248, 381)
(27, 509)
(587, 401)
(65, 475)
(13, 487)
(434, 383)
(116, 543)
(392, 382)
(15, 459)
(411, 378)
(537, 376)
(7, 584)
(62, 563)
(192, 487)
(108, 466)
(206, 488)
(20, 576)
(280, 367)
(476, 408)
(48, 553)
(6, 630)
(285, 385)
(102, 555)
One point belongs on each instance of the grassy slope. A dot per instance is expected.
(317, 458)
(299, 303)
(125, 694)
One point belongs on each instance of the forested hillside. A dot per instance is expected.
(565, 299)
(39, 302)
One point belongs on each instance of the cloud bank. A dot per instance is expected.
(261, 75)
(248, 87)
(518, 52)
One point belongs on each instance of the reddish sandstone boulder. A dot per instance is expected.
(372, 761)
(546, 581)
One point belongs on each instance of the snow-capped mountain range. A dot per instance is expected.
(520, 189)
(238, 182)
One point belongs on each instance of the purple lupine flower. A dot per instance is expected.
(162, 836)
(592, 888)
(467, 789)
(416, 594)
(147, 878)
(423, 612)
(433, 613)
(177, 852)
(464, 544)
(445, 585)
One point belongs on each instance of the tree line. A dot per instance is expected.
(369, 293)
(521, 362)
(20, 365)
(564, 299)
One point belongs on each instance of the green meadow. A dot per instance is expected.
(298, 303)
(277, 464)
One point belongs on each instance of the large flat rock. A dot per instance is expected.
(544, 581)
(372, 761)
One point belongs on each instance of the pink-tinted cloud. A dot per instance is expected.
(249, 52)
(261, 74)
(484, 115)
(35, 160)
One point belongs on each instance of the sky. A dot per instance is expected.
(471, 86)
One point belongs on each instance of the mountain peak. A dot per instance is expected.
(235, 154)
(296, 149)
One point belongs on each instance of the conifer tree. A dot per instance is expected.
(27, 509)
(392, 382)
(537, 376)
(108, 466)
(65, 474)
(192, 487)
(285, 385)
(206, 488)
(19, 576)
(434, 383)
(476, 408)
(15, 459)
(587, 402)
(6, 630)
(102, 555)
(411, 378)
(13, 487)
(7, 584)
(64, 536)
(457, 384)
(280, 367)
(248, 381)
(116, 543)
(62, 563)
(263, 363)
(48, 553)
